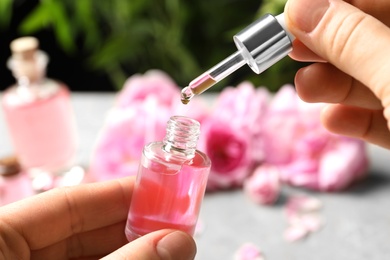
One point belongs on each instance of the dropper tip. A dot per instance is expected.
(186, 95)
(185, 101)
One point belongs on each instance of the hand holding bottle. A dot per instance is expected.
(84, 221)
(350, 47)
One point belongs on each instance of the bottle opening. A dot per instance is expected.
(182, 134)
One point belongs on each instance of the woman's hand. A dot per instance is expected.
(349, 43)
(87, 222)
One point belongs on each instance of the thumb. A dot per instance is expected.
(159, 245)
(350, 39)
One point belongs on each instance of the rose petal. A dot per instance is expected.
(295, 233)
(263, 186)
(313, 222)
(248, 252)
(310, 204)
(299, 204)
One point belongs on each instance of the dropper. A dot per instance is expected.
(260, 45)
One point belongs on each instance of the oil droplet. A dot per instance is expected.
(185, 101)
(186, 95)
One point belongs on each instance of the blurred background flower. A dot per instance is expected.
(306, 154)
(97, 44)
(255, 140)
(263, 186)
(229, 133)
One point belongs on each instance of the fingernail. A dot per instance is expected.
(176, 245)
(306, 14)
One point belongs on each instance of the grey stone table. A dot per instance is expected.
(357, 221)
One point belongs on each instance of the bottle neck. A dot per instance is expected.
(28, 69)
(182, 134)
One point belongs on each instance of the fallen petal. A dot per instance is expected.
(300, 204)
(263, 187)
(295, 233)
(248, 252)
(310, 204)
(312, 222)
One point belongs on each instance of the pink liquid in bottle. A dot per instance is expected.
(43, 130)
(168, 192)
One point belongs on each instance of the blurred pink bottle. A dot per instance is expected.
(38, 112)
(171, 182)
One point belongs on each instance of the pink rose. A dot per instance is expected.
(229, 150)
(308, 155)
(158, 88)
(119, 146)
(263, 185)
(139, 116)
(228, 135)
(156, 83)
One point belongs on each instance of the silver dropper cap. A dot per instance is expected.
(260, 45)
(264, 42)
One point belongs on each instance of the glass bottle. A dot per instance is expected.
(171, 182)
(38, 112)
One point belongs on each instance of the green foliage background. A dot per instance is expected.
(181, 37)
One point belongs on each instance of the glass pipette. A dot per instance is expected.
(260, 45)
